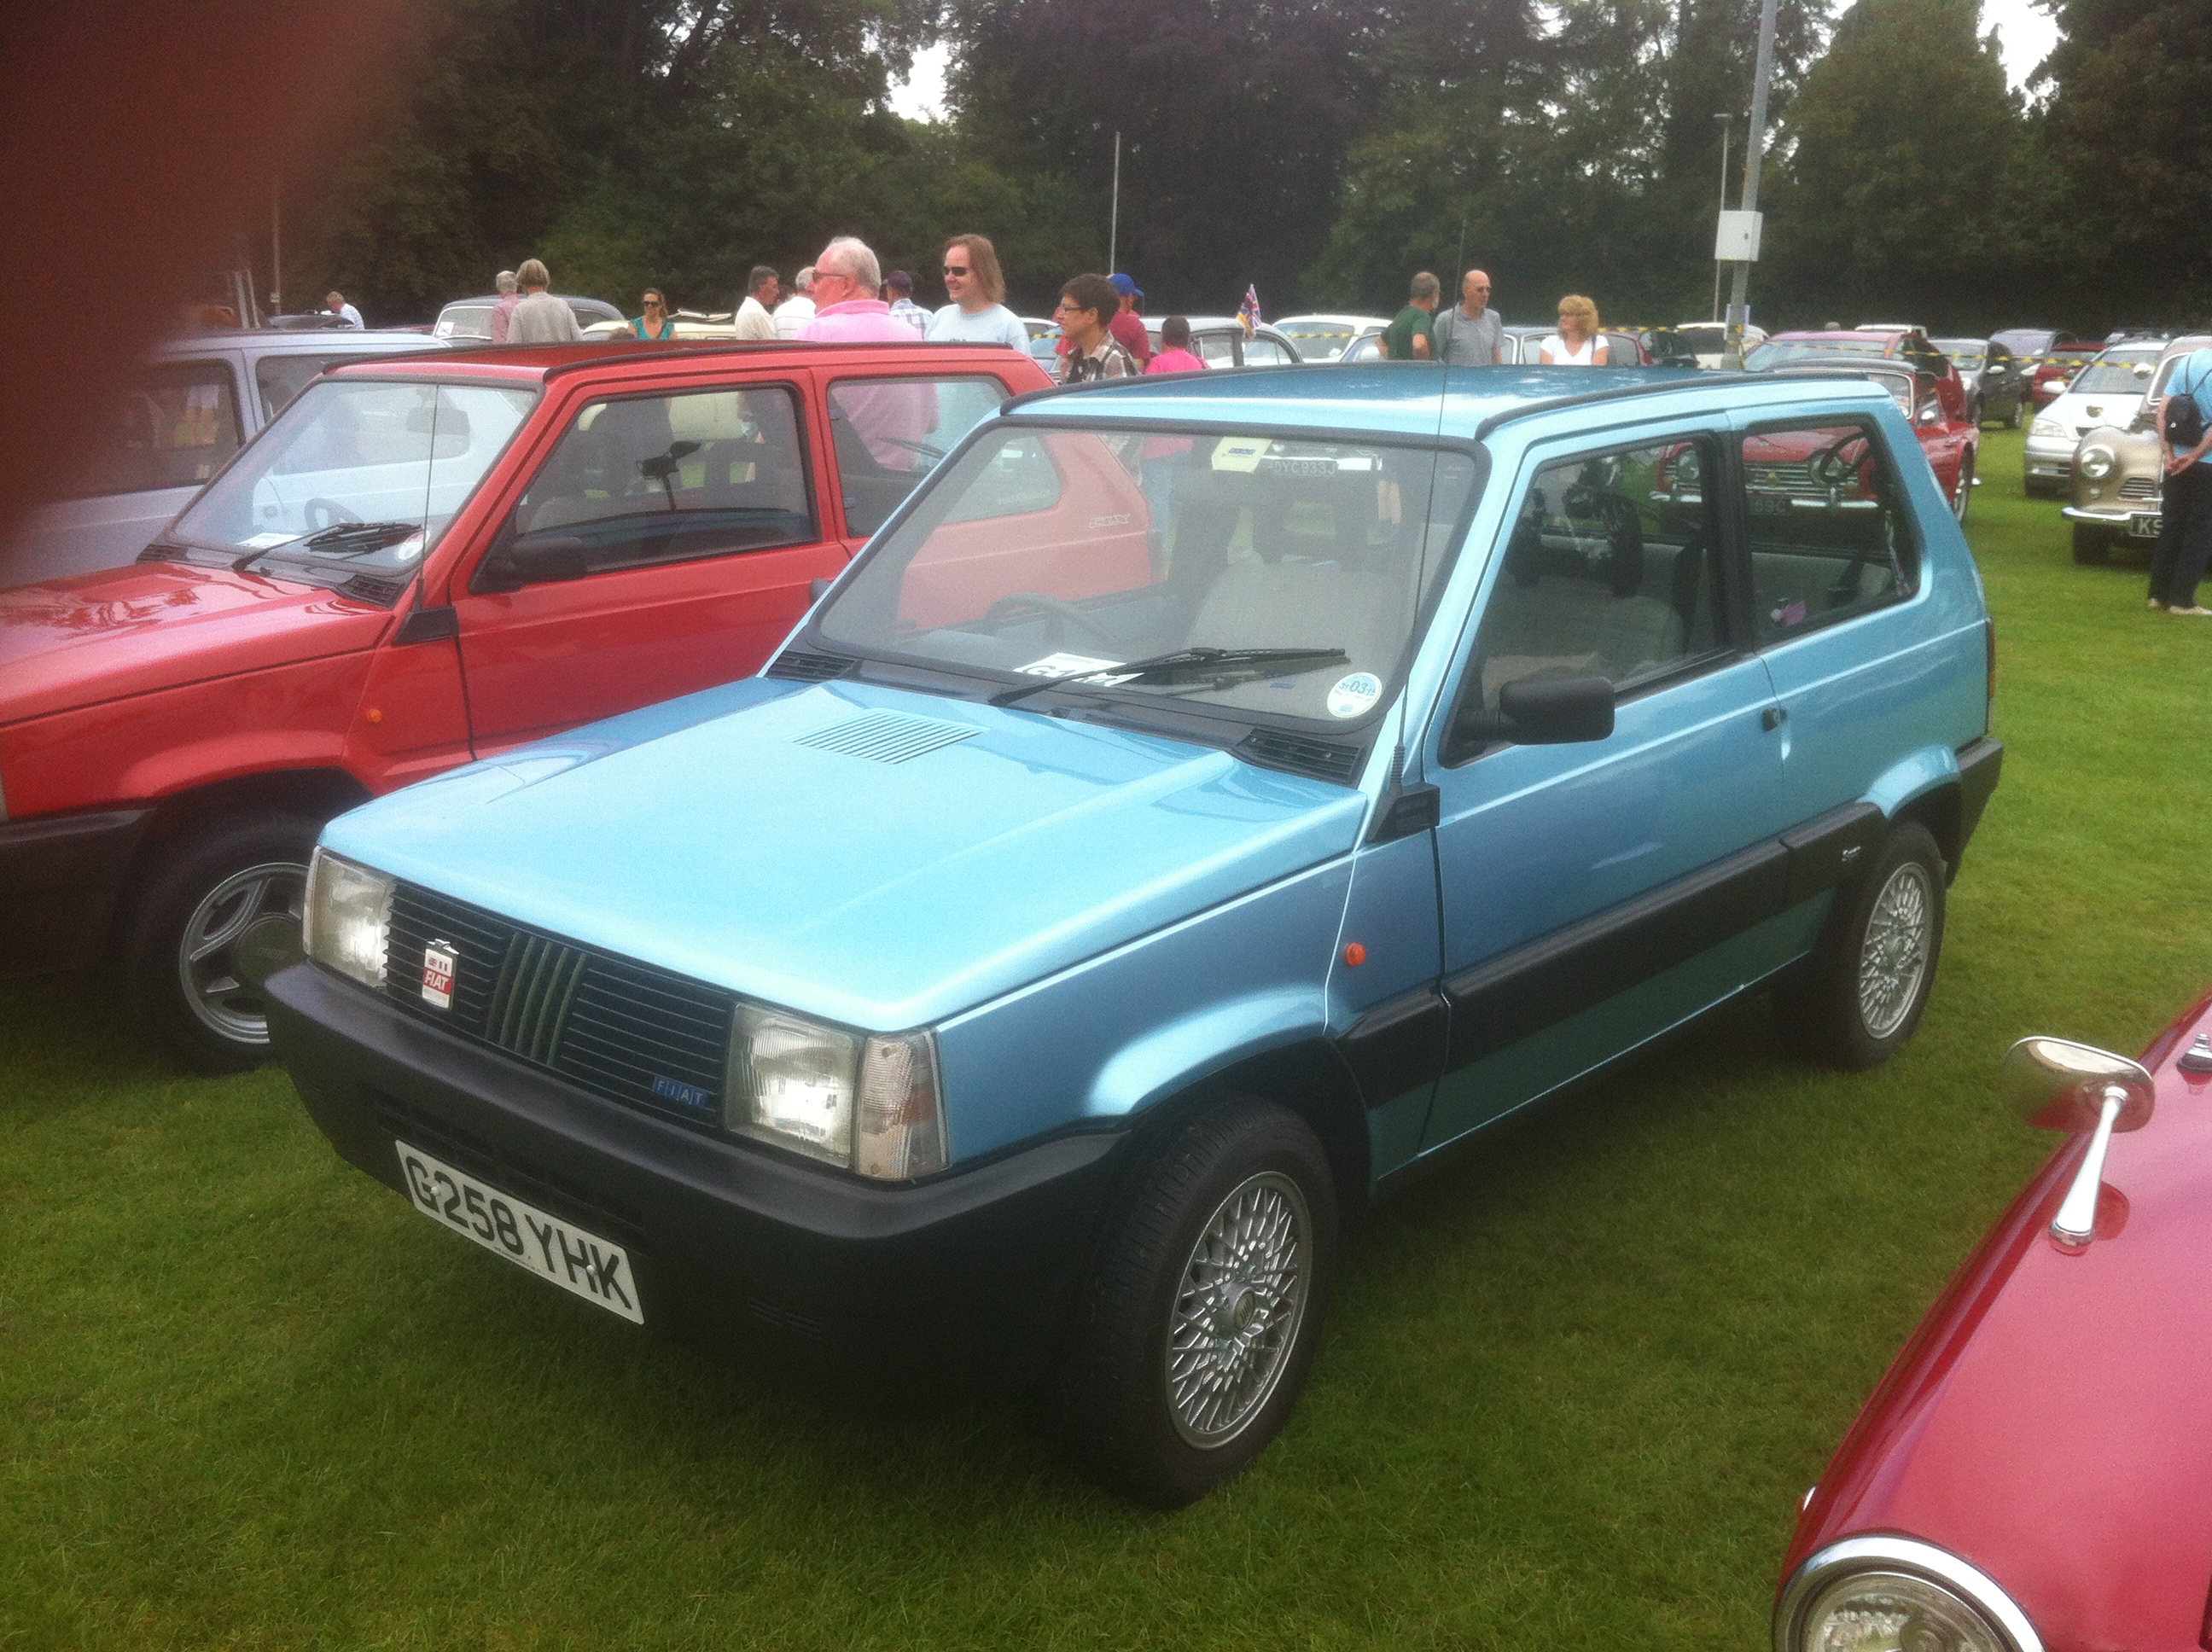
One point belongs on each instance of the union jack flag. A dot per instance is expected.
(1248, 311)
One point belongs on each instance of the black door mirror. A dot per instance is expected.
(1544, 711)
(519, 562)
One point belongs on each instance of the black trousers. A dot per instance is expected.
(2184, 536)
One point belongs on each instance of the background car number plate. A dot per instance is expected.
(2144, 525)
(592, 1267)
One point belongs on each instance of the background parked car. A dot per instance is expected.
(2117, 479)
(1216, 340)
(1323, 337)
(1996, 385)
(2035, 1470)
(1707, 339)
(1880, 343)
(1933, 402)
(171, 427)
(469, 319)
(576, 531)
(2108, 390)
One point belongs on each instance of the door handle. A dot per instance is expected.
(1772, 718)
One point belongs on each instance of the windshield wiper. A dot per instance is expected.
(354, 538)
(1215, 668)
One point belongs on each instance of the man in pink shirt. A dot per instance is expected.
(1175, 355)
(890, 419)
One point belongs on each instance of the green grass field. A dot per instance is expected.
(1570, 1396)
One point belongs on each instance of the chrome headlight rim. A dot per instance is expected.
(2097, 461)
(1856, 1556)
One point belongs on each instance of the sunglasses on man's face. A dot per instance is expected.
(955, 269)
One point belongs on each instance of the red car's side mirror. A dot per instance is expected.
(2057, 1085)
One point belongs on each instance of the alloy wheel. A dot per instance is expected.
(225, 1000)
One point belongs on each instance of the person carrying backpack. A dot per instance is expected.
(2184, 443)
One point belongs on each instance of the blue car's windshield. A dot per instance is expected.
(1065, 554)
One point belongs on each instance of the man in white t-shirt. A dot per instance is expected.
(336, 303)
(755, 318)
(795, 312)
(978, 313)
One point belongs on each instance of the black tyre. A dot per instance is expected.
(2012, 414)
(1205, 1306)
(1962, 499)
(1859, 997)
(197, 899)
(2093, 546)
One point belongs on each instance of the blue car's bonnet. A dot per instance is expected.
(878, 858)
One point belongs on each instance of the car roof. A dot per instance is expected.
(1879, 339)
(1415, 399)
(536, 363)
(1332, 318)
(276, 341)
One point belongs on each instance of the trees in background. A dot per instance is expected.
(1323, 150)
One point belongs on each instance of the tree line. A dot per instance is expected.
(1320, 149)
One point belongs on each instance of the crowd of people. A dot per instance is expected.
(1471, 334)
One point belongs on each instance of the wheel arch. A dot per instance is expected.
(318, 794)
(1941, 810)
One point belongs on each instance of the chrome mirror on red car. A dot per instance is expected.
(2057, 1085)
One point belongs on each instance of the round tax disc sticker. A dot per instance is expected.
(1350, 695)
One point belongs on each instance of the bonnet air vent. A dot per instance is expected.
(1321, 760)
(886, 736)
(795, 665)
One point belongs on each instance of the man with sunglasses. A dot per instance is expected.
(978, 313)
(1469, 334)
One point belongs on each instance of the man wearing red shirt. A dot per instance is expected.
(1128, 326)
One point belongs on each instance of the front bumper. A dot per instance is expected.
(59, 880)
(2143, 511)
(967, 1279)
(2054, 462)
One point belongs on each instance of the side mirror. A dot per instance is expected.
(519, 562)
(1545, 711)
(2057, 1085)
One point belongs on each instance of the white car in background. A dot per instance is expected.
(1325, 336)
(1708, 340)
(2110, 391)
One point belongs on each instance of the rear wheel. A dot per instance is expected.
(1206, 1306)
(1962, 496)
(2093, 546)
(1859, 997)
(184, 970)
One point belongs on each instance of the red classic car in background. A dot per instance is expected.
(1933, 396)
(2035, 1471)
(420, 561)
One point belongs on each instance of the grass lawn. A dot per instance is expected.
(1572, 1394)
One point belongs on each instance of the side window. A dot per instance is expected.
(1265, 352)
(890, 432)
(171, 427)
(278, 379)
(674, 478)
(1610, 569)
(1826, 526)
(1215, 349)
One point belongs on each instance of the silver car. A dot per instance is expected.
(172, 425)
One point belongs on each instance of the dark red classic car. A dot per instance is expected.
(2034, 1474)
(422, 561)
(1933, 396)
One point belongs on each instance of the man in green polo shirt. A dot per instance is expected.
(1408, 338)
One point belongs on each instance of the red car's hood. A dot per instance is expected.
(124, 631)
(2050, 1421)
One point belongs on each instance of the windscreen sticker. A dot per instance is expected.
(1066, 665)
(268, 541)
(1241, 453)
(407, 550)
(1349, 696)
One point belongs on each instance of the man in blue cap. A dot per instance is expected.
(1128, 326)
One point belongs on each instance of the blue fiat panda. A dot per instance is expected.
(1203, 802)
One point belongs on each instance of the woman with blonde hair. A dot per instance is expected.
(1576, 343)
(978, 313)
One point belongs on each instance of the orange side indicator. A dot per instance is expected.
(1354, 954)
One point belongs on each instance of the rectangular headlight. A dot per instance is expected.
(869, 1104)
(348, 920)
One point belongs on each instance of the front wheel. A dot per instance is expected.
(1962, 497)
(1205, 1307)
(183, 969)
(2092, 546)
(1859, 997)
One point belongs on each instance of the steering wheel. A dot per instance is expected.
(327, 513)
(1053, 608)
(1832, 467)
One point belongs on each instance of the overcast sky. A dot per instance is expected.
(2027, 33)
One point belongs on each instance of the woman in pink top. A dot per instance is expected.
(1174, 354)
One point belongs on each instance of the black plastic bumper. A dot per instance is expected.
(59, 880)
(1980, 762)
(968, 1278)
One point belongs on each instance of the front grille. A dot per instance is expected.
(2139, 486)
(1795, 479)
(631, 1032)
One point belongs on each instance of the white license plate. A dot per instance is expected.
(2144, 525)
(596, 1269)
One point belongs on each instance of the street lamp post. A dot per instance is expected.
(1727, 123)
(1754, 143)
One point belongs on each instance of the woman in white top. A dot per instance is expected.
(978, 313)
(1576, 343)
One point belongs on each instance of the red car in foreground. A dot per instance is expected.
(2034, 1474)
(424, 559)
